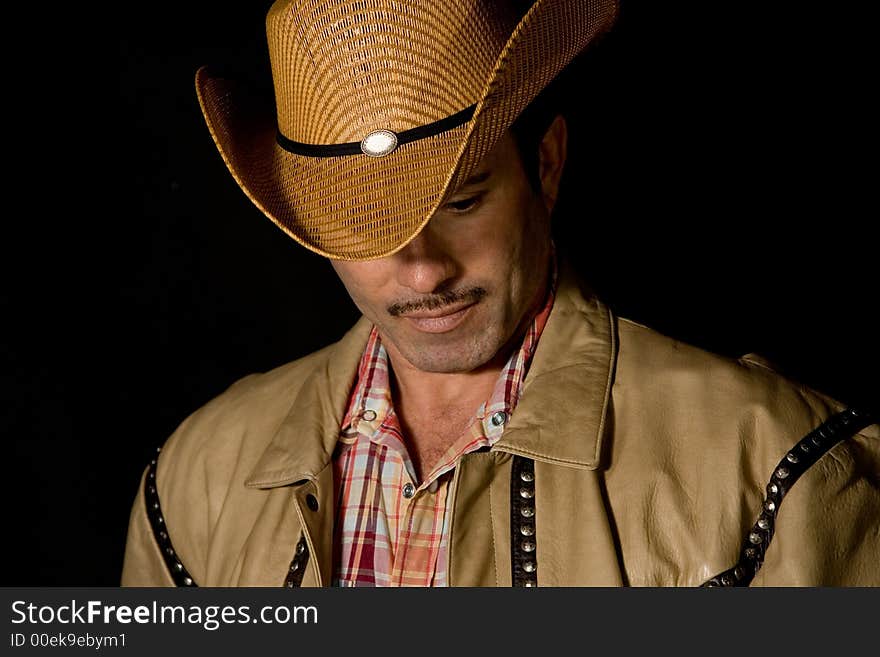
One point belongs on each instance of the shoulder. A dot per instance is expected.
(745, 396)
(660, 372)
(256, 399)
(250, 405)
(219, 444)
(698, 435)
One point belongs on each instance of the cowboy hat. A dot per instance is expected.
(383, 107)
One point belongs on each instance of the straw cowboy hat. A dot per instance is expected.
(382, 108)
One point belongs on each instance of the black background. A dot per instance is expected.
(717, 190)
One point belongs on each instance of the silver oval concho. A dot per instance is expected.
(379, 143)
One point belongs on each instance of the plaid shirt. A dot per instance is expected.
(389, 529)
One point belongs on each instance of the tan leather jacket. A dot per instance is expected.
(651, 459)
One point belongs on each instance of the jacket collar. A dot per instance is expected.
(560, 418)
(304, 442)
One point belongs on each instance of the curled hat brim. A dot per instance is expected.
(358, 207)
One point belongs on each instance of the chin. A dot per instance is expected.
(464, 354)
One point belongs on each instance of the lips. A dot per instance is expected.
(440, 320)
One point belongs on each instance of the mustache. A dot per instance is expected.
(438, 300)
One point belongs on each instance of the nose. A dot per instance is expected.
(425, 265)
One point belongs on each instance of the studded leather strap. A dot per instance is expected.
(798, 460)
(523, 539)
(175, 566)
(173, 563)
(297, 565)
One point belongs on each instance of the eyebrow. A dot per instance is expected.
(476, 179)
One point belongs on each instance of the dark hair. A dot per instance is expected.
(530, 127)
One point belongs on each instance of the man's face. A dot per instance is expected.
(454, 297)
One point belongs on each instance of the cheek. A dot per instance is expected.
(364, 282)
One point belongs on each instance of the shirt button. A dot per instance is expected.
(408, 490)
(499, 418)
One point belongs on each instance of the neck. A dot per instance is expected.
(435, 391)
(434, 408)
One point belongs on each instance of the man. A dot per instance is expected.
(489, 421)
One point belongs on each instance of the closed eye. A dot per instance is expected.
(463, 205)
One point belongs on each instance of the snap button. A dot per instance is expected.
(499, 418)
(312, 502)
(408, 490)
(369, 415)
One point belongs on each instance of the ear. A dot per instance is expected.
(551, 154)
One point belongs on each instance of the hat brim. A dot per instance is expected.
(357, 207)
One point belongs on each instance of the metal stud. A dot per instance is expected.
(805, 447)
(152, 475)
(178, 566)
(300, 548)
(529, 567)
(816, 440)
(529, 584)
(782, 473)
(527, 476)
(770, 506)
(160, 519)
(751, 553)
(763, 523)
(527, 530)
(527, 512)
(294, 566)
(528, 546)
(169, 551)
(526, 493)
(792, 458)
(738, 572)
(755, 537)
(163, 535)
(727, 580)
(188, 581)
